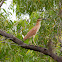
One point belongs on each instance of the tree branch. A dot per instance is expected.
(31, 47)
(1, 3)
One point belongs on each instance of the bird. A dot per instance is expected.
(34, 30)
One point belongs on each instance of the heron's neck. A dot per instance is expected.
(38, 23)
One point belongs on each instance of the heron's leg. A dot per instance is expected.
(33, 39)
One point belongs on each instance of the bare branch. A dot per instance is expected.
(50, 45)
(31, 47)
(1, 3)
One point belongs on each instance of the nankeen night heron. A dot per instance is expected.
(34, 30)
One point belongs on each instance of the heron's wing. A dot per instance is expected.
(30, 33)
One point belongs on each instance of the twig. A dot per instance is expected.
(50, 45)
(1, 3)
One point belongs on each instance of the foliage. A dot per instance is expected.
(29, 6)
(11, 52)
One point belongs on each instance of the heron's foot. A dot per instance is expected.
(34, 43)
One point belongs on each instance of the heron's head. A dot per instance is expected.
(40, 19)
